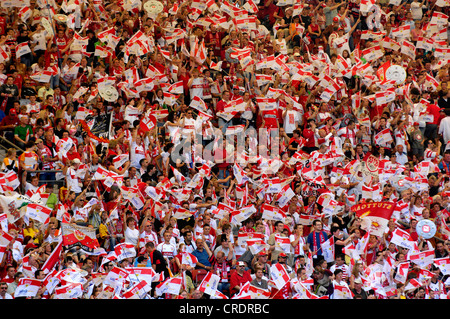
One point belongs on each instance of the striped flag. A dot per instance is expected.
(27, 287)
(38, 212)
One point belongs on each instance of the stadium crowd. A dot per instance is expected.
(218, 149)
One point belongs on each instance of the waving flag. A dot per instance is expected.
(209, 284)
(138, 291)
(270, 212)
(27, 287)
(22, 49)
(124, 250)
(342, 292)
(12, 206)
(403, 239)
(138, 274)
(423, 258)
(384, 137)
(328, 250)
(443, 264)
(53, 259)
(74, 235)
(279, 275)
(38, 212)
(282, 244)
(171, 285)
(258, 293)
(69, 291)
(375, 216)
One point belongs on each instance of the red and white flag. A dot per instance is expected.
(176, 88)
(328, 249)
(38, 212)
(402, 272)
(408, 49)
(423, 258)
(69, 291)
(403, 239)
(342, 292)
(279, 275)
(137, 274)
(124, 250)
(372, 53)
(22, 49)
(443, 264)
(209, 284)
(413, 284)
(270, 212)
(282, 244)
(384, 137)
(375, 216)
(182, 213)
(53, 259)
(258, 293)
(171, 285)
(27, 287)
(138, 291)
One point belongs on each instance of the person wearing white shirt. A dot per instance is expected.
(348, 132)
(444, 129)
(3, 293)
(338, 280)
(167, 248)
(402, 158)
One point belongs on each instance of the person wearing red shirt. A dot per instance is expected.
(220, 107)
(309, 135)
(213, 39)
(238, 278)
(72, 154)
(269, 119)
(63, 43)
(431, 128)
(2, 23)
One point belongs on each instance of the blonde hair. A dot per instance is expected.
(10, 151)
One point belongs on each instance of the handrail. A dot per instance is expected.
(12, 144)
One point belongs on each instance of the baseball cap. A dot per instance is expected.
(13, 111)
(335, 19)
(76, 161)
(282, 255)
(241, 263)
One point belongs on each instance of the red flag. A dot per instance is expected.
(53, 258)
(375, 216)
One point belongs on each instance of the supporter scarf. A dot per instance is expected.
(90, 134)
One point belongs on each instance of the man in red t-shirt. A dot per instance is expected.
(2, 23)
(309, 135)
(431, 128)
(238, 278)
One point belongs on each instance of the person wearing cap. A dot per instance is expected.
(286, 291)
(260, 260)
(238, 278)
